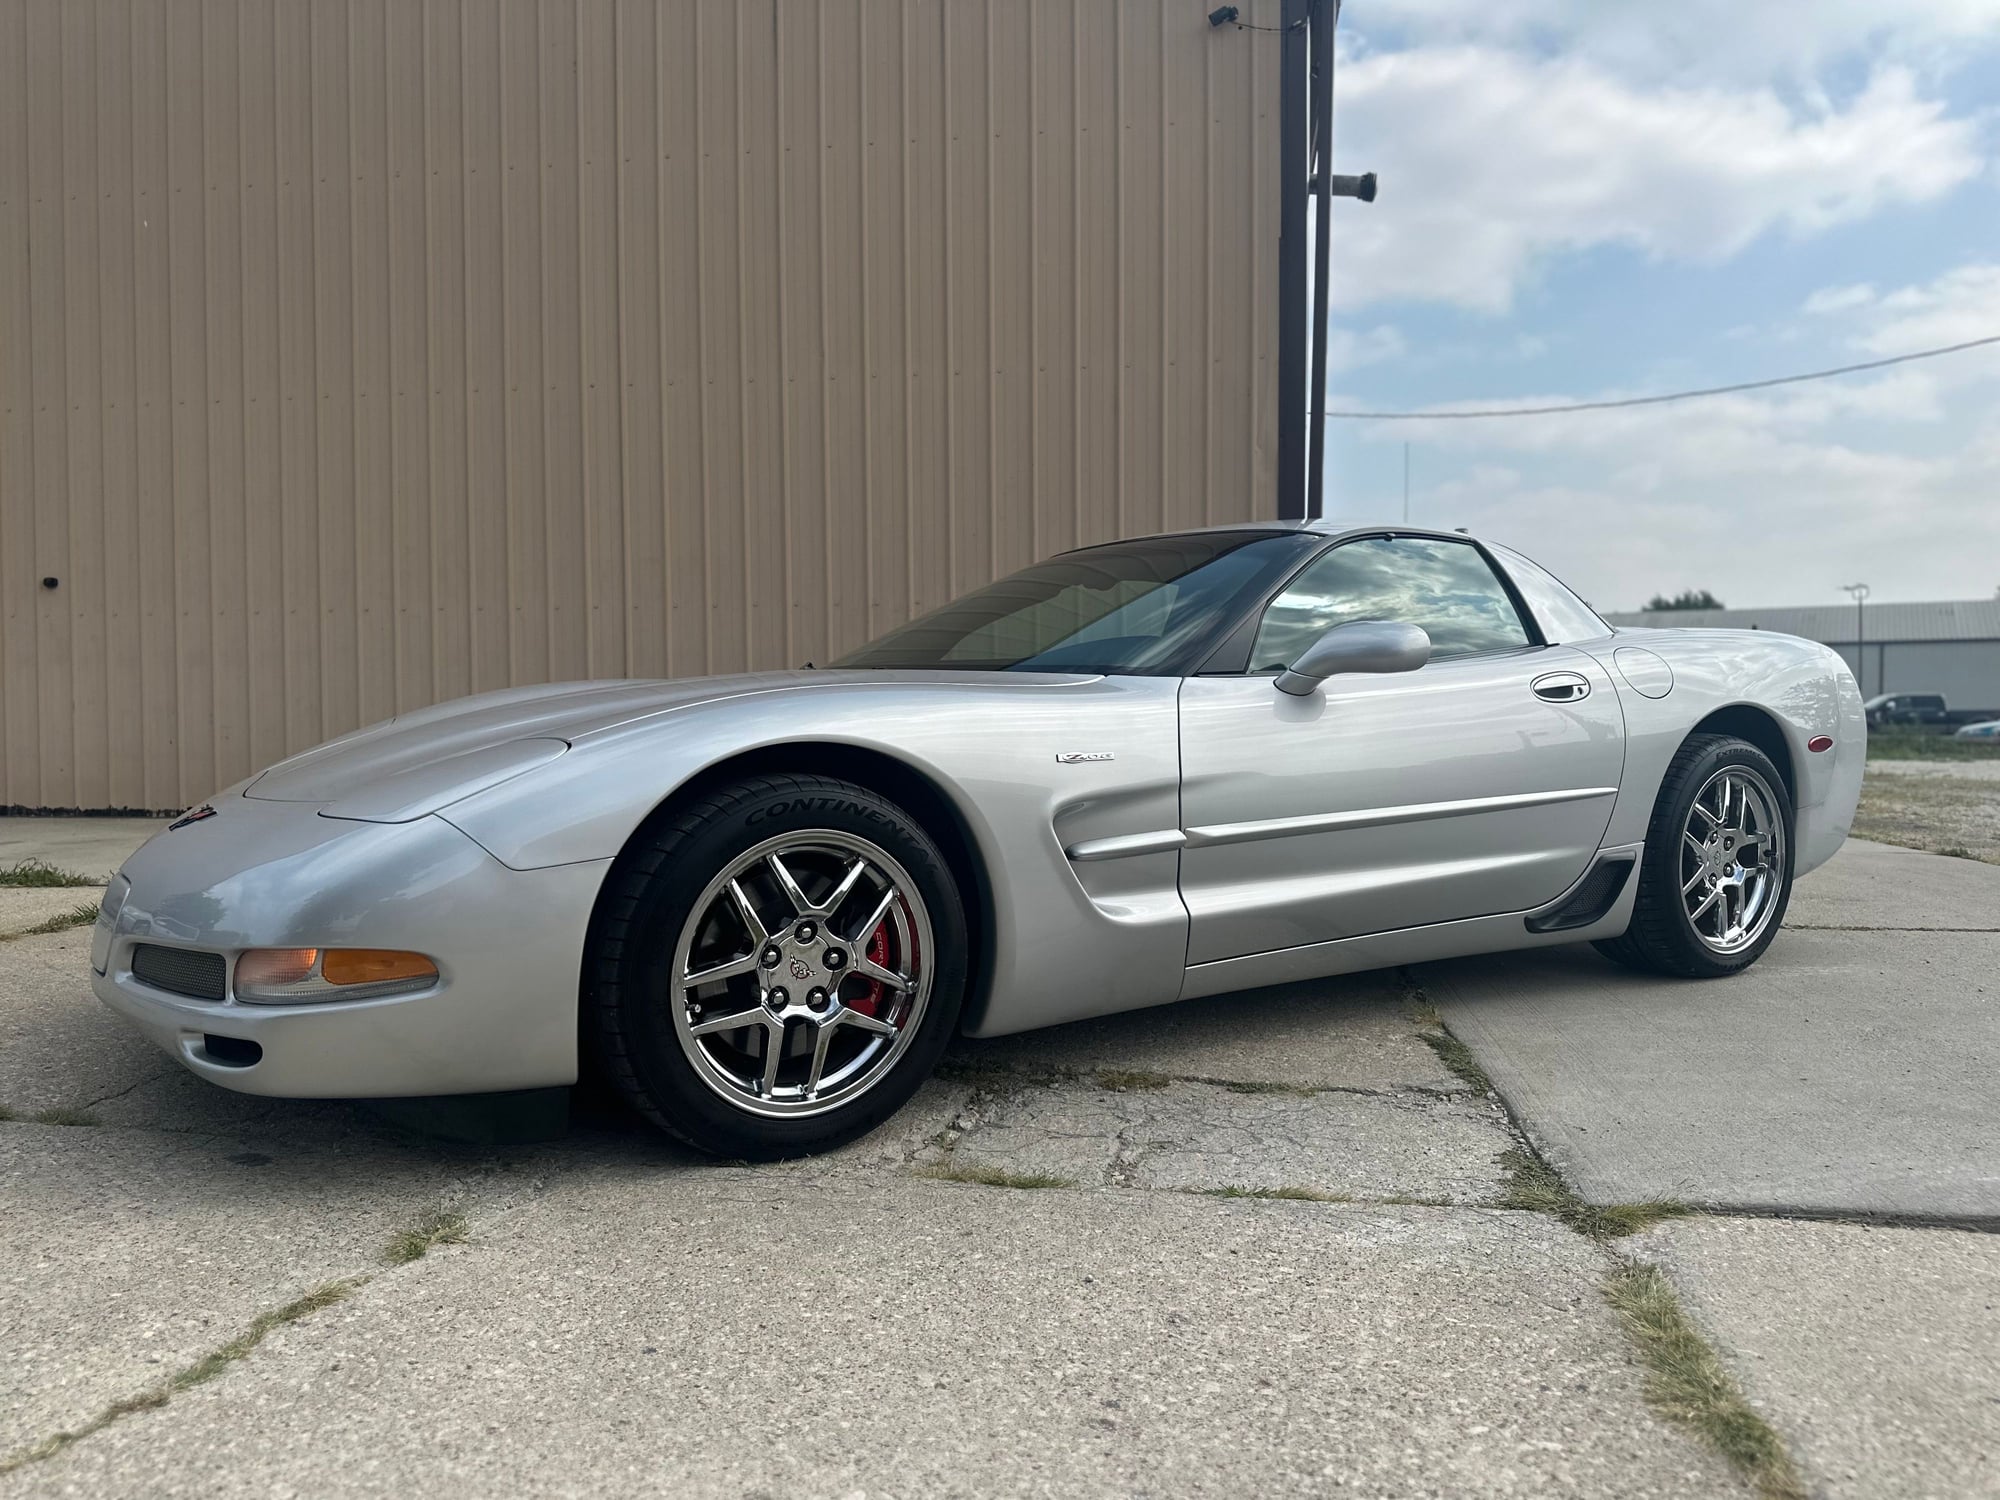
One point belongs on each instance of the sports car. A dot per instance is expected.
(761, 906)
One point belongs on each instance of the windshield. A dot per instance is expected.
(1147, 608)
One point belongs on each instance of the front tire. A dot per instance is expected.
(775, 968)
(1717, 872)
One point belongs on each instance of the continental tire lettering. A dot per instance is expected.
(805, 806)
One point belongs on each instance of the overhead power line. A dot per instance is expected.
(1712, 390)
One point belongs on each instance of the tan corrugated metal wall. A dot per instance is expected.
(356, 354)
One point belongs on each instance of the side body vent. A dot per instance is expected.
(1591, 898)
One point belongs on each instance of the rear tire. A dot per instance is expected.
(1717, 872)
(813, 911)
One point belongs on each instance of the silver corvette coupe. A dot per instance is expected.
(761, 906)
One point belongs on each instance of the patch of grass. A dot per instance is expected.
(1889, 744)
(1415, 1200)
(1288, 1194)
(38, 872)
(1130, 1080)
(1262, 1086)
(1458, 1057)
(82, 915)
(1536, 1186)
(202, 1370)
(1957, 851)
(64, 1115)
(988, 1076)
(7, 1114)
(1687, 1383)
(435, 1227)
(993, 1176)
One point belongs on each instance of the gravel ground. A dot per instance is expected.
(1944, 806)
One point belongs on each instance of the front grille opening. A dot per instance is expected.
(180, 971)
(230, 1051)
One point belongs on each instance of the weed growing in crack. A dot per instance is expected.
(992, 1176)
(64, 1115)
(1261, 1086)
(435, 1227)
(37, 872)
(204, 1369)
(1458, 1057)
(1289, 1194)
(1687, 1383)
(1130, 1080)
(1536, 1186)
(82, 915)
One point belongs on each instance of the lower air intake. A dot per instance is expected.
(180, 971)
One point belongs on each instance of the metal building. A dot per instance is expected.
(357, 354)
(1951, 648)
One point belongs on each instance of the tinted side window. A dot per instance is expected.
(1446, 587)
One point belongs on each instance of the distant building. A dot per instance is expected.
(1951, 647)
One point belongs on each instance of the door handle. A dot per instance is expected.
(1561, 687)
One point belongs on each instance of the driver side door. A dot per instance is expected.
(1480, 783)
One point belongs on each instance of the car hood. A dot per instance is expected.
(417, 763)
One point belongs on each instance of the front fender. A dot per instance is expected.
(1068, 941)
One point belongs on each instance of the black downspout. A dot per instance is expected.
(1325, 15)
(1292, 328)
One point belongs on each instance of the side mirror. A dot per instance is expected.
(1358, 646)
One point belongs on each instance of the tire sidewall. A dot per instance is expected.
(1694, 775)
(643, 982)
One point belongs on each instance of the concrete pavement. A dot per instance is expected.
(624, 1317)
(1849, 1072)
(1875, 1350)
(729, 1333)
(95, 847)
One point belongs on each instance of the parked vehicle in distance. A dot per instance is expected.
(1130, 774)
(1905, 708)
(1988, 730)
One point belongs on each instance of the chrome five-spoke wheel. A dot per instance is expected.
(802, 973)
(1732, 859)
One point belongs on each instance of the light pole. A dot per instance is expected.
(1860, 593)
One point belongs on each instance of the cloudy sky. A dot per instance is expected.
(1585, 199)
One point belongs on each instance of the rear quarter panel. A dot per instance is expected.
(1804, 687)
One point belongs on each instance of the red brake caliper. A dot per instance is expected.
(869, 1001)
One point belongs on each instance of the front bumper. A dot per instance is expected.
(508, 945)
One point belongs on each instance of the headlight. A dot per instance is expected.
(300, 976)
(107, 921)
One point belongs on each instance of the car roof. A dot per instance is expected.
(1317, 526)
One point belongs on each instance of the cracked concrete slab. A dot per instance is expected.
(83, 846)
(22, 907)
(1875, 1351)
(1195, 1136)
(734, 1332)
(126, 1254)
(60, 1047)
(1349, 1032)
(1878, 887)
(1846, 1073)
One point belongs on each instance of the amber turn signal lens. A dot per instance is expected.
(374, 966)
(264, 967)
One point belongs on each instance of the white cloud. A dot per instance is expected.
(1706, 39)
(1960, 305)
(1492, 161)
(1351, 348)
(1769, 497)
(1837, 299)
